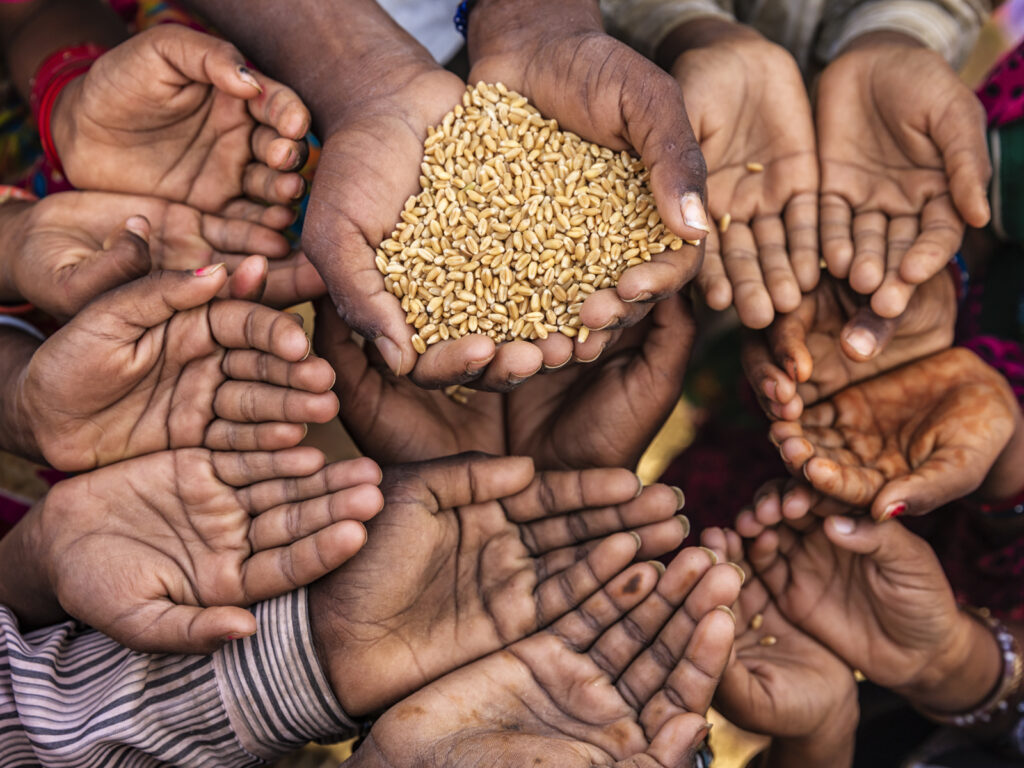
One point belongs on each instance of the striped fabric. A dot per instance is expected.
(70, 696)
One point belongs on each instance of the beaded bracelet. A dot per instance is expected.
(961, 276)
(1008, 693)
(462, 16)
(1011, 507)
(53, 75)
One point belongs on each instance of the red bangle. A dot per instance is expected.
(59, 69)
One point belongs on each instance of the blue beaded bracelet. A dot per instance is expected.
(462, 16)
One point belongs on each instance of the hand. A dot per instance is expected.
(793, 689)
(623, 680)
(875, 594)
(70, 247)
(747, 102)
(904, 163)
(834, 340)
(156, 364)
(908, 441)
(598, 415)
(152, 551)
(174, 113)
(471, 554)
(558, 56)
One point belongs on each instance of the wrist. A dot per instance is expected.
(701, 33)
(831, 745)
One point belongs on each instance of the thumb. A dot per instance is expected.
(674, 745)
(203, 58)
(162, 627)
(887, 543)
(123, 258)
(473, 478)
(249, 280)
(866, 334)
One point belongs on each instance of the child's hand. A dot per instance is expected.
(749, 110)
(153, 551)
(834, 339)
(72, 246)
(904, 164)
(156, 364)
(908, 441)
(174, 113)
(782, 682)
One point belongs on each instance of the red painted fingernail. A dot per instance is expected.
(209, 269)
(893, 510)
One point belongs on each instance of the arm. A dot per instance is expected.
(250, 702)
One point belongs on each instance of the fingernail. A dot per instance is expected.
(309, 349)
(637, 539)
(769, 389)
(334, 378)
(862, 342)
(560, 366)
(592, 359)
(298, 319)
(680, 497)
(236, 636)
(640, 486)
(305, 431)
(246, 76)
(391, 353)
(727, 611)
(642, 296)
(843, 525)
(693, 212)
(301, 193)
(685, 522)
(138, 226)
(208, 270)
(740, 571)
(895, 509)
(660, 566)
(711, 554)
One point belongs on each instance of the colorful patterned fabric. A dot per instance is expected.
(1002, 93)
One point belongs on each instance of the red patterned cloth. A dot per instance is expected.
(1002, 94)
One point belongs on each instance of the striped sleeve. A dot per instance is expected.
(73, 697)
(644, 24)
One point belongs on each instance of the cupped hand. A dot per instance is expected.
(623, 679)
(781, 681)
(159, 364)
(834, 339)
(907, 441)
(72, 246)
(471, 554)
(160, 552)
(750, 112)
(176, 114)
(876, 595)
(598, 415)
(558, 56)
(904, 164)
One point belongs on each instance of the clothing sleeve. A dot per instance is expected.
(948, 27)
(644, 24)
(70, 696)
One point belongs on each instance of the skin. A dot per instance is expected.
(624, 680)
(159, 364)
(794, 690)
(499, 554)
(559, 57)
(196, 533)
(907, 441)
(834, 340)
(174, 113)
(904, 166)
(747, 102)
(875, 594)
(66, 249)
(600, 415)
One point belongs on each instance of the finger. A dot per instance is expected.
(260, 182)
(159, 626)
(561, 592)
(961, 136)
(665, 274)
(293, 280)
(245, 468)
(288, 523)
(457, 361)
(889, 544)
(605, 309)
(472, 478)
(243, 325)
(313, 374)
(766, 377)
(869, 242)
(249, 279)
(514, 362)
(776, 267)
(275, 217)
(556, 351)
(203, 58)
(942, 232)
(557, 492)
(340, 475)
(235, 236)
(836, 234)
(739, 254)
(946, 475)
(712, 280)
(796, 452)
(856, 486)
(249, 402)
(894, 292)
(280, 108)
(224, 435)
(674, 744)
(277, 152)
(274, 572)
(124, 257)
(801, 217)
(592, 347)
(867, 334)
